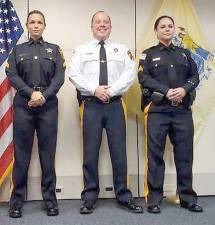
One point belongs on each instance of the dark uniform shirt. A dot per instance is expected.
(36, 64)
(162, 68)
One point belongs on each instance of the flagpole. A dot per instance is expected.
(136, 116)
(28, 10)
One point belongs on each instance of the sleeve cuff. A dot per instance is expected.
(93, 89)
(164, 90)
(29, 91)
(187, 88)
(111, 92)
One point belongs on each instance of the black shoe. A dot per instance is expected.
(87, 207)
(52, 211)
(153, 209)
(15, 213)
(193, 207)
(131, 206)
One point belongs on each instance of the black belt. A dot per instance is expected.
(95, 99)
(41, 89)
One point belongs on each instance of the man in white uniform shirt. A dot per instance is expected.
(102, 71)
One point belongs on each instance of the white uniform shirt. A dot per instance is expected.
(84, 68)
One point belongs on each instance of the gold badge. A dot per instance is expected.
(49, 50)
(130, 55)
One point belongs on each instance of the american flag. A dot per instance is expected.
(11, 32)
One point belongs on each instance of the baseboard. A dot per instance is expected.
(70, 187)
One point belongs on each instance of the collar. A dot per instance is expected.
(162, 47)
(38, 41)
(96, 42)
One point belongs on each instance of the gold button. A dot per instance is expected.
(21, 59)
(35, 57)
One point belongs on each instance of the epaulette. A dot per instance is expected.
(50, 44)
(151, 48)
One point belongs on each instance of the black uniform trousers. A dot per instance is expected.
(96, 116)
(178, 124)
(26, 120)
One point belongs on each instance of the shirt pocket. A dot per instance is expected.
(48, 65)
(115, 64)
(182, 69)
(117, 58)
(24, 63)
(90, 64)
(158, 69)
(88, 58)
(22, 58)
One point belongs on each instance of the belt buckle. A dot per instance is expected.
(38, 89)
(174, 103)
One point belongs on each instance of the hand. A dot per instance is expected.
(176, 94)
(37, 99)
(102, 93)
(169, 93)
(36, 95)
(40, 102)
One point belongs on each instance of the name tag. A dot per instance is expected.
(156, 59)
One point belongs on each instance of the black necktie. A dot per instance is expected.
(36, 65)
(103, 78)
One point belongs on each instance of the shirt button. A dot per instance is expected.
(171, 65)
(35, 57)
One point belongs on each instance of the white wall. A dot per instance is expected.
(68, 24)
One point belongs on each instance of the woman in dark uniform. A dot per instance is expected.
(36, 70)
(168, 77)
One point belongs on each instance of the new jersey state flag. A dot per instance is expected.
(188, 35)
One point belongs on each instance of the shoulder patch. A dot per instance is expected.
(140, 69)
(7, 66)
(130, 55)
(61, 54)
(143, 56)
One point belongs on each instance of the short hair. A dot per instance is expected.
(160, 18)
(100, 11)
(36, 12)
